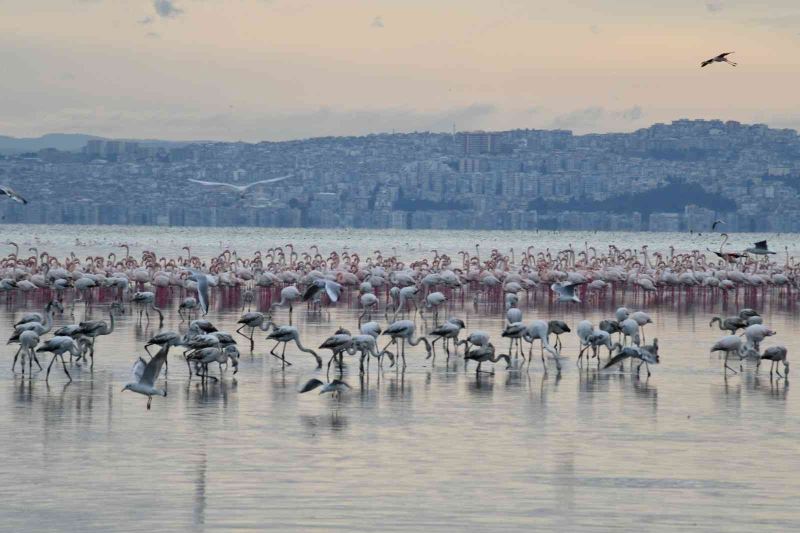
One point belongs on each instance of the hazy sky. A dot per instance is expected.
(279, 69)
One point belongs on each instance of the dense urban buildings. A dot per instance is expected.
(668, 177)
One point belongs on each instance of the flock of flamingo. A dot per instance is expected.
(383, 286)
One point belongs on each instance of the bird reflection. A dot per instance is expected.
(333, 420)
(199, 502)
(23, 390)
(772, 387)
(201, 392)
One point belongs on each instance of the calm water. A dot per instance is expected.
(431, 449)
(208, 242)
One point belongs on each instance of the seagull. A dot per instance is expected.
(566, 291)
(145, 375)
(335, 387)
(716, 223)
(759, 248)
(202, 288)
(721, 58)
(11, 193)
(241, 189)
(333, 289)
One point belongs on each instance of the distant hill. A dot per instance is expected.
(68, 142)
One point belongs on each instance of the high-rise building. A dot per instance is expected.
(477, 142)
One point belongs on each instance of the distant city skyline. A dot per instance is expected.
(276, 70)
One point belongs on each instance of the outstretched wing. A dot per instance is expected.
(340, 383)
(202, 288)
(138, 370)
(153, 368)
(215, 184)
(616, 359)
(262, 182)
(706, 62)
(310, 291)
(311, 384)
(761, 245)
(11, 193)
(333, 289)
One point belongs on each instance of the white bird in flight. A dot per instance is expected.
(566, 291)
(11, 193)
(241, 189)
(202, 288)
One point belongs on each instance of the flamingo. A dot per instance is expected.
(538, 329)
(285, 334)
(404, 331)
(776, 354)
(338, 343)
(646, 356)
(447, 331)
(147, 300)
(731, 323)
(484, 354)
(728, 344)
(94, 328)
(27, 342)
(253, 320)
(289, 295)
(557, 327)
(58, 346)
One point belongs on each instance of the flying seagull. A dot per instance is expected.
(722, 58)
(759, 248)
(335, 387)
(11, 193)
(241, 189)
(566, 291)
(716, 223)
(331, 287)
(202, 288)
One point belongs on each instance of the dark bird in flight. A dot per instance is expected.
(759, 248)
(11, 193)
(716, 223)
(722, 58)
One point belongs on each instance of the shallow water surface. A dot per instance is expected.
(434, 448)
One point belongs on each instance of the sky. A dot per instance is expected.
(256, 70)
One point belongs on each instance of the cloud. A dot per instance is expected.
(714, 6)
(595, 118)
(377, 22)
(634, 113)
(189, 123)
(146, 20)
(580, 118)
(166, 8)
